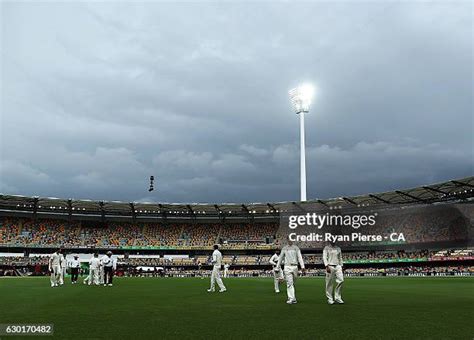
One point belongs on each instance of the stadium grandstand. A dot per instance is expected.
(159, 239)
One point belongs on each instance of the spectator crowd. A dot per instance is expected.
(417, 227)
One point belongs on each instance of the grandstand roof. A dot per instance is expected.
(461, 189)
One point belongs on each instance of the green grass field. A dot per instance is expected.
(377, 308)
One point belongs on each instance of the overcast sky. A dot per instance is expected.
(96, 97)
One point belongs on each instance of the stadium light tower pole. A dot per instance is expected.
(301, 98)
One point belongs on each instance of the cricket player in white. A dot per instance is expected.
(216, 270)
(332, 258)
(290, 256)
(63, 269)
(226, 270)
(54, 267)
(101, 272)
(94, 267)
(277, 273)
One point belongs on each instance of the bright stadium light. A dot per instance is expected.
(301, 98)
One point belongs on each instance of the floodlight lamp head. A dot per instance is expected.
(301, 98)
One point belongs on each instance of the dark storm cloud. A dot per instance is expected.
(97, 97)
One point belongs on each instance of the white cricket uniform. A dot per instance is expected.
(332, 258)
(277, 273)
(226, 270)
(94, 267)
(55, 268)
(63, 269)
(216, 270)
(101, 271)
(290, 256)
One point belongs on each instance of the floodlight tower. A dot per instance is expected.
(301, 97)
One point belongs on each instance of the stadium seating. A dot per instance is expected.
(417, 228)
(192, 243)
